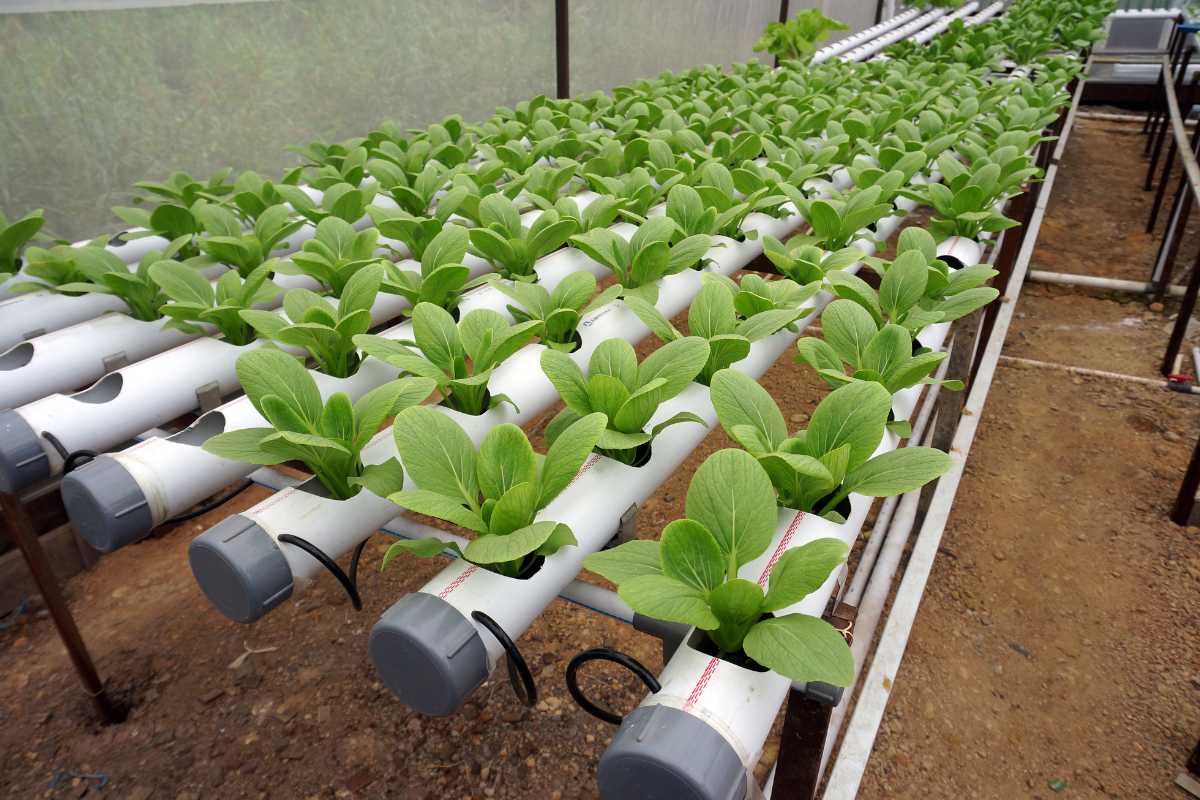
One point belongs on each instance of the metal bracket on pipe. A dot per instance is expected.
(627, 527)
(115, 361)
(824, 693)
(208, 396)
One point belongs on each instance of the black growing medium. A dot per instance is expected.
(641, 455)
(701, 642)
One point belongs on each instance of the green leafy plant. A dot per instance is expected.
(334, 254)
(459, 358)
(559, 312)
(637, 190)
(169, 221)
(691, 575)
(417, 232)
(966, 201)
(647, 257)
(414, 195)
(626, 392)
(816, 469)
(836, 223)
(442, 278)
(326, 331)
(252, 195)
(345, 201)
(327, 437)
(195, 300)
(599, 213)
(797, 38)
(104, 273)
(713, 316)
(13, 238)
(882, 354)
(917, 288)
(53, 267)
(245, 251)
(511, 247)
(496, 492)
(805, 262)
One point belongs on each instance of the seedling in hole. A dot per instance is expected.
(326, 331)
(816, 469)
(496, 492)
(327, 437)
(691, 575)
(459, 357)
(626, 392)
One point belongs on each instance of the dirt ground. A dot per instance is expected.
(1023, 668)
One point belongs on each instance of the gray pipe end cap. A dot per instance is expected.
(428, 654)
(240, 568)
(23, 462)
(106, 505)
(661, 751)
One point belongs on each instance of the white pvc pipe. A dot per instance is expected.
(865, 51)
(150, 392)
(944, 23)
(1096, 282)
(862, 37)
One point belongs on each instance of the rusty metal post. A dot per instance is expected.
(1185, 502)
(805, 727)
(783, 17)
(19, 528)
(562, 48)
(1186, 307)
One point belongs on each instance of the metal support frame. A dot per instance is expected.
(562, 48)
(19, 529)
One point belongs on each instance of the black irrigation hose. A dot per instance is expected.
(71, 459)
(210, 505)
(328, 563)
(519, 674)
(605, 654)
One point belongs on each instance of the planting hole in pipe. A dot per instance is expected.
(17, 356)
(103, 390)
(201, 430)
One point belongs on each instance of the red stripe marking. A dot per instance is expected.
(593, 459)
(698, 689)
(781, 548)
(457, 582)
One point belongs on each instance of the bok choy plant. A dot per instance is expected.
(836, 223)
(328, 437)
(882, 354)
(195, 300)
(559, 312)
(442, 278)
(647, 257)
(804, 262)
(225, 241)
(334, 254)
(815, 470)
(495, 492)
(326, 331)
(713, 316)
(459, 358)
(917, 288)
(797, 38)
(511, 247)
(13, 238)
(691, 575)
(104, 273)
(627, 393)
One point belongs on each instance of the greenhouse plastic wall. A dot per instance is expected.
(93, 100)
(616, 41)
(97, 94)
